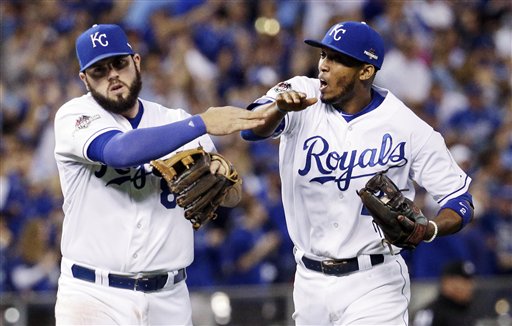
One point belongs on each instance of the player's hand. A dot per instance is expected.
(294, 101)
(217, 167)
(229, 119)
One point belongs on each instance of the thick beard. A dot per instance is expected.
(120, 105)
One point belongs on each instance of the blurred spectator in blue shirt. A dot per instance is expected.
(476, 123)
(206, 270)
(497, 225)
(6, 242)
(36, 266)
(249, 244)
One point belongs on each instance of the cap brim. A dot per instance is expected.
(104, 56)
(317, 44)
(314, 43)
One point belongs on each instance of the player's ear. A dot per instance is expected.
(84, 80)
(136, 59)
(367, 72)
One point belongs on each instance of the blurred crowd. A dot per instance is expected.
(450, 61)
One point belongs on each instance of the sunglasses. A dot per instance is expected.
(102, 69)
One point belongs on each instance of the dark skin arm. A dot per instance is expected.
(286, 101)
(448, 222)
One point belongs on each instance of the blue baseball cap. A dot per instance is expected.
(355, 39)
(100, 42)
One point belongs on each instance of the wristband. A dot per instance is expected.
(281, 110)
(436, 229)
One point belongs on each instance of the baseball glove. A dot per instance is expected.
(197, 190)
(401, 221)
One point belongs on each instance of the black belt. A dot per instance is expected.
(338, 267)
(149, 283)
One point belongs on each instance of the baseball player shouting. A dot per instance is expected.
(345, 142)
(125, 242)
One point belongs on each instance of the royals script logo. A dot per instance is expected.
(136, 178)
(341, 167)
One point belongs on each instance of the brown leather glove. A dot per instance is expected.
(401, 221)
(198, 191)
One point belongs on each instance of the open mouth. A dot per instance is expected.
(323, 84)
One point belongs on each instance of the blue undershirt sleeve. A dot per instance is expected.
(97, 146)
(135, 147)
(462, 205)
(249, 135)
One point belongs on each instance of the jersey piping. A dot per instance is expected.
(377, 100)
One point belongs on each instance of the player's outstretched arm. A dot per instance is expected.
(229, 119)
(132, 148)
(285, 102)
(294, 101)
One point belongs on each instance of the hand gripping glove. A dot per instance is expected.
(199, 192)
(401, 221)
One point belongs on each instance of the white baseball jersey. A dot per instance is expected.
(122, 220)
(324, 159)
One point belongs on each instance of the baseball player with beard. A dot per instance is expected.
(125, 243)
(336, 132)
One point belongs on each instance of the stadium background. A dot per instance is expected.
(450, 61)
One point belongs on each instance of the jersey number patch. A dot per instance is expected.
(167, 198)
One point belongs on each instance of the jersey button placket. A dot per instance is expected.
(139, 238)
(347, 141)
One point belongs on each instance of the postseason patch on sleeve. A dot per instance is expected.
(84, 121)
(282, 87)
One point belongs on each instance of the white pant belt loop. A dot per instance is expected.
(298, 254)
(364, 262)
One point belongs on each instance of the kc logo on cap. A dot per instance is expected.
(355, 39)
(101, 39)
(100, 42)
(336, 30)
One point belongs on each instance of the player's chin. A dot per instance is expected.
(326, 99)
(118, 94)
(118, 98)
